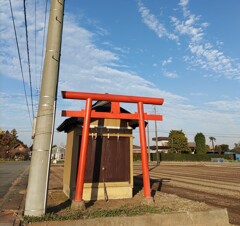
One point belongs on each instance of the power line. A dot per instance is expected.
(20, 62)
(225, 135)
(29, 66)
(35, 37)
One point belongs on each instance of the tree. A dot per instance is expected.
(224, 147)
(207, 147)
(7, 141)
(5, 138)
(218, 148)
(200, 143)
(237, 147)
(212, 139)
(178, 142)
(14, 133)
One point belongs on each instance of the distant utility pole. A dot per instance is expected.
(36, 199)
(156, 137)
(149, 157)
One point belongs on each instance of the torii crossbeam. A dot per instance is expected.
(115, 113)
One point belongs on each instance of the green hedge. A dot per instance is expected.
(136, 157)
(185, 157)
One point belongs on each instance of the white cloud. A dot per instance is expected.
(183, 2)
(224, 125)
(219, 43)
(9, 61)
(204, 54)
(231, 106)
(170, 74)
(214, 60)
(188, 27)
(198, 94)
(168, 61)
(153, 23)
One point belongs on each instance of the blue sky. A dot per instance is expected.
(186, 52)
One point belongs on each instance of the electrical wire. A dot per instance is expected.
(35, 37)
(20, 62)
(194, 133)
(28, 57)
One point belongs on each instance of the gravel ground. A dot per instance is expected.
(58, 202)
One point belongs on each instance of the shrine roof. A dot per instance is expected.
(98, 106)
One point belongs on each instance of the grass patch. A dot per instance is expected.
(70, 214)
(7, 160)
(187, 157)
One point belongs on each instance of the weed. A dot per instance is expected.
(99, 213)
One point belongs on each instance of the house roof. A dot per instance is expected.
(191, 144)
(99, 106)
(160, 138)
(153, 147)
(20, 148)
(69, 123)
(58, 149)
(136, 146)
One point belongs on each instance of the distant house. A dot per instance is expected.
(19, 151)
(136, 148)
(192, 146)
(163, 145)
(58, 153)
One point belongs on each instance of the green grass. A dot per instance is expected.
(70, 214)
(185, 157)
(7, 160)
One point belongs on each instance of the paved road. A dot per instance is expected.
(13, 184)
(9, 173)
(214, 184)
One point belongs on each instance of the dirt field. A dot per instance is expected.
(191, 187)
(215, 184)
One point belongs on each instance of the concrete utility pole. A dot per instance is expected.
(36, 199)
(156, 137)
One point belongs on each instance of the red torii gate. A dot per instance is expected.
(115, 113)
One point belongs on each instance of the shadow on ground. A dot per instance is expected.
(59, 207)
(155, 184)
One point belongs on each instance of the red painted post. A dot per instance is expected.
(83, 152)
(144, 156)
